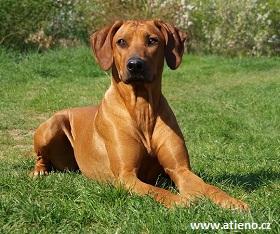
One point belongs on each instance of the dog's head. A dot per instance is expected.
(137, 49)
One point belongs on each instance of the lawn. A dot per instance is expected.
(228, 110)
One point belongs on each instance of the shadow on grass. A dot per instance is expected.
(251, 181)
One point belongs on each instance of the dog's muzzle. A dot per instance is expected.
(136, 71)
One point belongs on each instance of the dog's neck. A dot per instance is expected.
(142, 102)
(139, 97)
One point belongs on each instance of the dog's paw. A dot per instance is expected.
(224, 200)
(236, 204)
(232, 203)
(35, 174)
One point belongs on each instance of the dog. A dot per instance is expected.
(132, 137)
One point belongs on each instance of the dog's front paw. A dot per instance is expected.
(35, 174)
(234, 204)
(228, 202)
(223, 199)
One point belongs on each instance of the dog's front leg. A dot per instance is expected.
(189, 184)
(173, 156)
(131, 182)
(125, 161)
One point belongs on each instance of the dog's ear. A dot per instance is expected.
(101, 44)
(174, 43)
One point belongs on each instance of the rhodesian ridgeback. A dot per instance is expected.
(132, 137)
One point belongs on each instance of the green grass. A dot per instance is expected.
(228, 110)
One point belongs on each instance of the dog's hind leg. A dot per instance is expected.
(53, 146)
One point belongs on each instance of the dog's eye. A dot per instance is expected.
(121, 43)
(152, 41)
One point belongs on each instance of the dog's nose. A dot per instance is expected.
(135, 65)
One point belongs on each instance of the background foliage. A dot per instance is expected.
(228, 27)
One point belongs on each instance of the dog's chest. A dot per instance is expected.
(144, 120)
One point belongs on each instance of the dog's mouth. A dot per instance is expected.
(137, 79)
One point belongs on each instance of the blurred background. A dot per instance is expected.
(225, 27)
